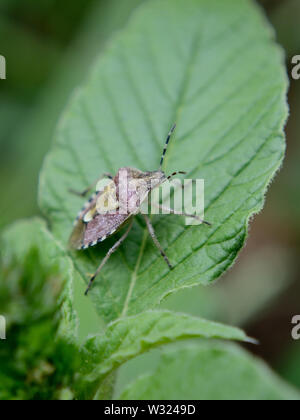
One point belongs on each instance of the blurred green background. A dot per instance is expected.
(49, 46)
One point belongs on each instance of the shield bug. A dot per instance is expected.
(113, 207)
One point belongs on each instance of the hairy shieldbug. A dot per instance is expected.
(104, 214)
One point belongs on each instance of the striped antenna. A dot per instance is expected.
(176, 173)
(166, 146)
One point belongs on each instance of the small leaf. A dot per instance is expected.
(209, 372)
(213, 68)
(129, 337)
(29, 247)
(40, 353)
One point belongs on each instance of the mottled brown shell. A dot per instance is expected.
(100, 226)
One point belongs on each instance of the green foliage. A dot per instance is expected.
(42, 348)
(245, 294)
(214, 69)
(23, 145)
(209, 372)
(132, 336)
(38, 359)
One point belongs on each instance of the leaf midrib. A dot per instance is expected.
(181, 96)
(176, 114)
(134, 274)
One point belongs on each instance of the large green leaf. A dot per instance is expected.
(248, 290)
(213, 68)
(210, 372)
(131, 336)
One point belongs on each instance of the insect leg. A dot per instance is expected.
(156, 242)
(179, 213)
(90, 187)
(107, 256)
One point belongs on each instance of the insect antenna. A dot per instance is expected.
(176, 173)
(166, 146)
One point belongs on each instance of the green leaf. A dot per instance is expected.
(213, 68)
(40, 356)
(209, 372)
(27, 247)
(254, 285)
(23, 140)
(129, 337)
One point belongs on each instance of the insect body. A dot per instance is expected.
(113, 207)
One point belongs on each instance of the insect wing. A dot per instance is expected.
(101, 227)
(91, 227)
(76, 239)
